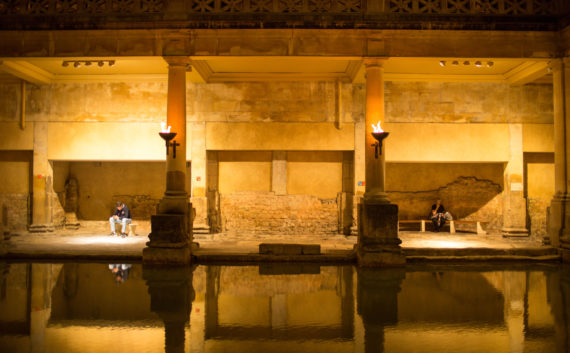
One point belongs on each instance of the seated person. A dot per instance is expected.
(122, 215)
(437, 215)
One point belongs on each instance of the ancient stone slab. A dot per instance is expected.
(289, 249)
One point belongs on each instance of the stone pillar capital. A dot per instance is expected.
(371, 62)
(181, 61)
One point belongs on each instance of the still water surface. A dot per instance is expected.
(115, 308)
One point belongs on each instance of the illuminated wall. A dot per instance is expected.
(443, 133)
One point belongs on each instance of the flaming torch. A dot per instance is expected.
(379, 135)
(167, 136)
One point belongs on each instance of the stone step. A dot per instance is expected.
(289, 249)
(482, 252)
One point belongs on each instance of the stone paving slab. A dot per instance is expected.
(92, 242)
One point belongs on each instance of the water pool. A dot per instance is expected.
(115, 308)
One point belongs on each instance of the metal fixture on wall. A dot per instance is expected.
(167, 135)
(379, 135)
(78, 63)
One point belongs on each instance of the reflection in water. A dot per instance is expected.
(78, 307)
(120, 272)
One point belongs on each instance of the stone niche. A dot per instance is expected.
(284, 192)
(140, 185)
(265, 212)
(471, 191)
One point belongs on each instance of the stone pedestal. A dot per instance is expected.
(378, 242)
(170, 239)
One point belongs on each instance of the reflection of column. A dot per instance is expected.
(42, 193)
(375, 167)
(558, 292)
(377, 303)
(171, 295)
(559, 222)
(514, 206)
(514, 295)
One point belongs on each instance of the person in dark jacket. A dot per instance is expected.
(437, 215)
(122, 215)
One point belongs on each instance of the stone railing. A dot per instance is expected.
(360, 13)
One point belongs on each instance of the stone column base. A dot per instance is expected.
(40, 228)
(378, 242)
(514, 232)
(559, 220)
(170, 239)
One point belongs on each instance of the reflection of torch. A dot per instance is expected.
(167, 136)
(379, 135)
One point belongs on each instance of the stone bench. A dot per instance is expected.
(132, 227)
(452, 224)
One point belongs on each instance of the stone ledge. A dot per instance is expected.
(289, 249)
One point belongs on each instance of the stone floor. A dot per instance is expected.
(93, 242)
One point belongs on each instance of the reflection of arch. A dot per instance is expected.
(277, 283)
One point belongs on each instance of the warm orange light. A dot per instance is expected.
(164, 128)
(377, 127)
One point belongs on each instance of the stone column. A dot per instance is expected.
(559, 220)
(514, 203)
(199, 175)
(176, 195)
(171, 228)
(279, 173)
(42, 184)
(378, 243)
(375, 167)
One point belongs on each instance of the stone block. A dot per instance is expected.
(378, 242)
(169, 231)
(289, 249)
(377, 223)
(166, 256)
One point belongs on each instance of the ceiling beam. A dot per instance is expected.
(26, 71)
(527, 72)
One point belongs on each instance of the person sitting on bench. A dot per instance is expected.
(122, 215)
(437, 215)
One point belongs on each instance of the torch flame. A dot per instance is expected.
(377, 127)
(163, 127)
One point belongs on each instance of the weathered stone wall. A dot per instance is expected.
(437, 102)
(18, 211)
(465, 198)
(128, 106)
(267, 213)
(140, 185)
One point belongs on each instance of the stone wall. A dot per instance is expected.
(465, 198)
(453, 102)
(267, 213)
(17, 210)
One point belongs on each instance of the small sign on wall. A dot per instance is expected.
(516, 187)
(361, 183)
